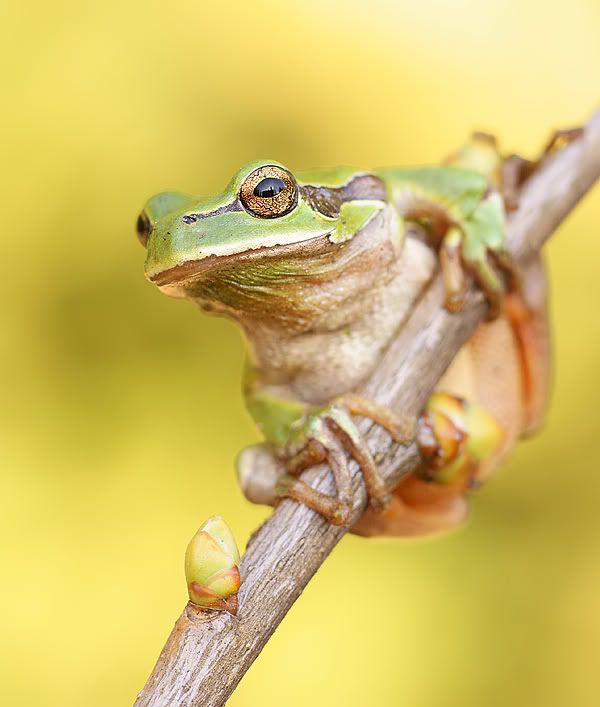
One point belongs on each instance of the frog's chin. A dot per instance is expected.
(191, 271)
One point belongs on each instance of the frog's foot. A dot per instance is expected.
(323, 447)
(328, 435)
(560, 139)
(459, 442)
(516, 170)
(457, 439)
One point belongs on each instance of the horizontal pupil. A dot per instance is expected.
(269, 187)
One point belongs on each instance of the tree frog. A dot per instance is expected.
(321, 270)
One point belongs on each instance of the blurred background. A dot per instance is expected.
(123, 413)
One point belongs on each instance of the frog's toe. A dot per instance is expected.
(490, 281)
(319, 443)
(313, 453)
(336, 510)
(453, 270)
(353, 441)
(560, 139)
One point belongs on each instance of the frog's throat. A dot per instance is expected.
(192, 271)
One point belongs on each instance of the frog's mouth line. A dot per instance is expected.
(193, 270)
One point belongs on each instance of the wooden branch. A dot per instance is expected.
(207, 653)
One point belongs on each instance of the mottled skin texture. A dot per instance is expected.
(321, 276)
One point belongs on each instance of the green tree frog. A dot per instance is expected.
(321, 271)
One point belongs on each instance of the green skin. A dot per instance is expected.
(276, 276)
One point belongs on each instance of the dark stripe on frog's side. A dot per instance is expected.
(233, 206)
(328, 200)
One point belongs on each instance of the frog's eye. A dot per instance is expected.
(269, 192)
(143, 228)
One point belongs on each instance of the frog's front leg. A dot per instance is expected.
(475, 417)
(476, 245)
(458, 441)
(464, 218)
(484, 252)
(317, 442)
(327, 434)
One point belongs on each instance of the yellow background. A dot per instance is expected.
(121, 409)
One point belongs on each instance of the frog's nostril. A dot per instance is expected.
(189, 218)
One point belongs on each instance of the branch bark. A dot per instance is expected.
(208, 653)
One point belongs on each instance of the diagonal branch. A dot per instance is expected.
(208, 653)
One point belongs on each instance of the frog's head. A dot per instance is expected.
(257, 234)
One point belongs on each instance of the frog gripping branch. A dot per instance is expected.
(314, 270)
(332, 276)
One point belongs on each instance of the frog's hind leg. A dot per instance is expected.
(484, 251)
(457, 439)
(527, 312)
(494, 392)
(418, 508)
(466, 242)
